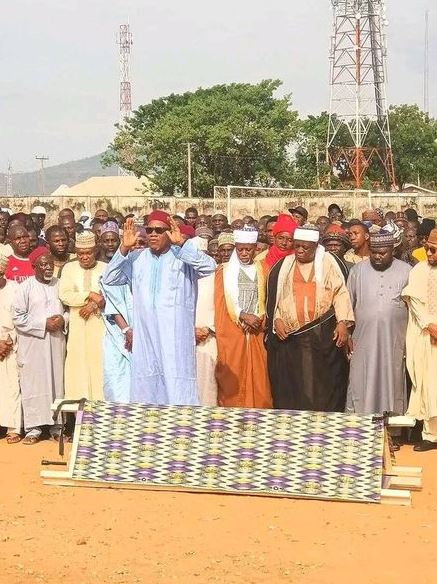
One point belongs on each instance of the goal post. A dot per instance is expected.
(238, 201)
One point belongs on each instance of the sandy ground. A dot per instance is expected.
(82, 536)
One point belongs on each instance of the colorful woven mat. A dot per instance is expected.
(232, 450)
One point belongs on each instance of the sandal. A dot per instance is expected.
(13, 438)
(57, 437)
(29, 440)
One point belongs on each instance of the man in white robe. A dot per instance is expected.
(206, 344)
(40, 320)
(10, 398)
(421, 297)
(79, 290)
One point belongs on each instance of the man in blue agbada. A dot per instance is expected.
(163, 279)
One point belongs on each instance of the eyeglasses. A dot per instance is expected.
(431, 249)
(157, 230)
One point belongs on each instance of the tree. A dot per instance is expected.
(414, 142)
(239, 134)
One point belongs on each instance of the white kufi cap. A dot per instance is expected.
(306, 235)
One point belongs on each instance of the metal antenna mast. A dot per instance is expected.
(426, 66)
(125, 42)
(359, 131)
(9, 188)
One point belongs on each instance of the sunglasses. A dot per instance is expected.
(157, 230)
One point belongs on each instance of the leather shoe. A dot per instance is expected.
(425, 445)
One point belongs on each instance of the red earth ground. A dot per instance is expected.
(82, 535)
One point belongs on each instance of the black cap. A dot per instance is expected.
(299, 211)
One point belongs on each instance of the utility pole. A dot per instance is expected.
(189, 170)
(426, 66)
(42, 159)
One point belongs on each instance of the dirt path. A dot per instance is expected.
(98, 536)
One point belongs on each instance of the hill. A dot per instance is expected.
(69, 173)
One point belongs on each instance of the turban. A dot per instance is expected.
(159, 216)
(285, 223)
(336, 232)
(246, 235)
(382, 239)
(187, 230)
(85, 240)
(110, 227)
(307, 235)
(37, 253)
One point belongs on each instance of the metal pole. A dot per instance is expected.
(189, 170)
(42, 159)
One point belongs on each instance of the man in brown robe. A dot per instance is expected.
(241, 370)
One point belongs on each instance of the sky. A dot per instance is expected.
(59, 61)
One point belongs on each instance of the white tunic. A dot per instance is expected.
(10, 398)
(40, 354)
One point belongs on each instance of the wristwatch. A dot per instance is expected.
(124, 331)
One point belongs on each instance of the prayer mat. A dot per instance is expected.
(230, 450)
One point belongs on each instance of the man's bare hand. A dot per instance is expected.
(281, 333)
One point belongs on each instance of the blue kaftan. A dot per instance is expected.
(117, 361)
(164, 289)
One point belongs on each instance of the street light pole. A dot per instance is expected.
(42, 159)
(189, 170)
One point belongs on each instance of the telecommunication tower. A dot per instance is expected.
(359, 131)
(426, 66)
(125, 42)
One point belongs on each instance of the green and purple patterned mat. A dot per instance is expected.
(231, 450)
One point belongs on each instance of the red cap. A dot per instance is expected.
(37, 253)
(187, 230)
(285, 223)
(159, 216)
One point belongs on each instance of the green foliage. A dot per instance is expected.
(239, 134)
(414, 141)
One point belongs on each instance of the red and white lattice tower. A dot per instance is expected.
(359, 131)
(125, 42)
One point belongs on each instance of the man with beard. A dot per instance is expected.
(163, 279)
(241, 370)
(79, 289)
(19, 266)
(57, 240)
(40, 321)
(109, 241)
(308, 316)
(377, 381)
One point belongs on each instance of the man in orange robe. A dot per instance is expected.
(241, 371)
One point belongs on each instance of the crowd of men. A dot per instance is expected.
(337, 315)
